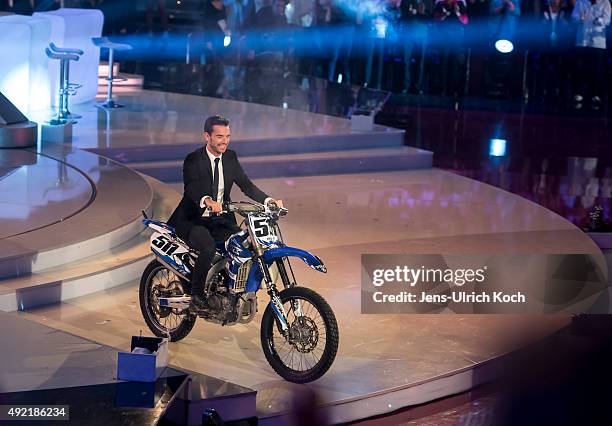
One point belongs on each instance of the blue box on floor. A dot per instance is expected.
(138, 367)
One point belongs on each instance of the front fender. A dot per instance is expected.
(310, 259)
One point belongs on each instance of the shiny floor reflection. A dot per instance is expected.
(428, 211)
(562, 162)
(36, 191)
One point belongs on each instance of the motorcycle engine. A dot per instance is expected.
(222, 308)
(221, 303)
(226, 307)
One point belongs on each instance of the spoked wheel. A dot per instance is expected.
(158, 281)
(311, 344)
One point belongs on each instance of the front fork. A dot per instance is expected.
(280, 263)
(275, 301)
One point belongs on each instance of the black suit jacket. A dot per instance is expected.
(198, 179)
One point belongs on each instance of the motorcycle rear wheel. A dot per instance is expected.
(157, 280)
(314, 337)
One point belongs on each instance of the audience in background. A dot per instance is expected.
(342, 22)
(160, 6)
(215, 32)
(301, 13)
(592, 17)
(451, 17)
(271, 16)
(414, 20)
(420, 46)
(237, 14)
(214, 26)
(551, 68)
(504, 18)
(379, 23)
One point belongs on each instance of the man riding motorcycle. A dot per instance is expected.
(208, 176)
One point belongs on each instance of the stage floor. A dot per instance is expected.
(339, 218)
(158, 118)
(384, 362)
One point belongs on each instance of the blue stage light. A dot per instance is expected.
(497, 147)
(380, 26)
(504, 46)
(226, 41)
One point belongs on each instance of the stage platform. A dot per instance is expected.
(44, 366)
(80, 227)
(77, 220)
(391, 204)
(156, 130)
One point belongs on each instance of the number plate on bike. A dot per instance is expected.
(262, 231)
(170, 250)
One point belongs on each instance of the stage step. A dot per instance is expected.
(111, 218)
(381, 137)
(108, 269)
(100, 272)
(233, 402)
(306, 164)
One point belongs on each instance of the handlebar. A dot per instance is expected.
(244, 207)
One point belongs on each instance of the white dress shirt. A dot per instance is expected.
(221, 189)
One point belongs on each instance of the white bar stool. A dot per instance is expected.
(105, 43)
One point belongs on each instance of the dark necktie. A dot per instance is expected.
(215, 188)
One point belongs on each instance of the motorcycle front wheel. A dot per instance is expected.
(311, 344)
(158, 281)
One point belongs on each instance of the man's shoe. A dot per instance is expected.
(198, 303)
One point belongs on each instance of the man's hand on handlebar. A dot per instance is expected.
(278, 203)
(213, 206)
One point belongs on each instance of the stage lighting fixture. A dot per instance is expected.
(504, 46)
(339, 78)
(497, 147)
(226, 41)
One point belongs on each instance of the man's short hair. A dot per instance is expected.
(215, 120)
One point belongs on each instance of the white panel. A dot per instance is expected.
(58, 28)
(15, 66)
(32, 91)
(38, 83)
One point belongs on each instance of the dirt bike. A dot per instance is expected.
(299, 332)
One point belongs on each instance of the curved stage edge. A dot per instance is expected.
(38, 191)
(385, 362)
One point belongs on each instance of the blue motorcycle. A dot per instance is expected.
(299, 332)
